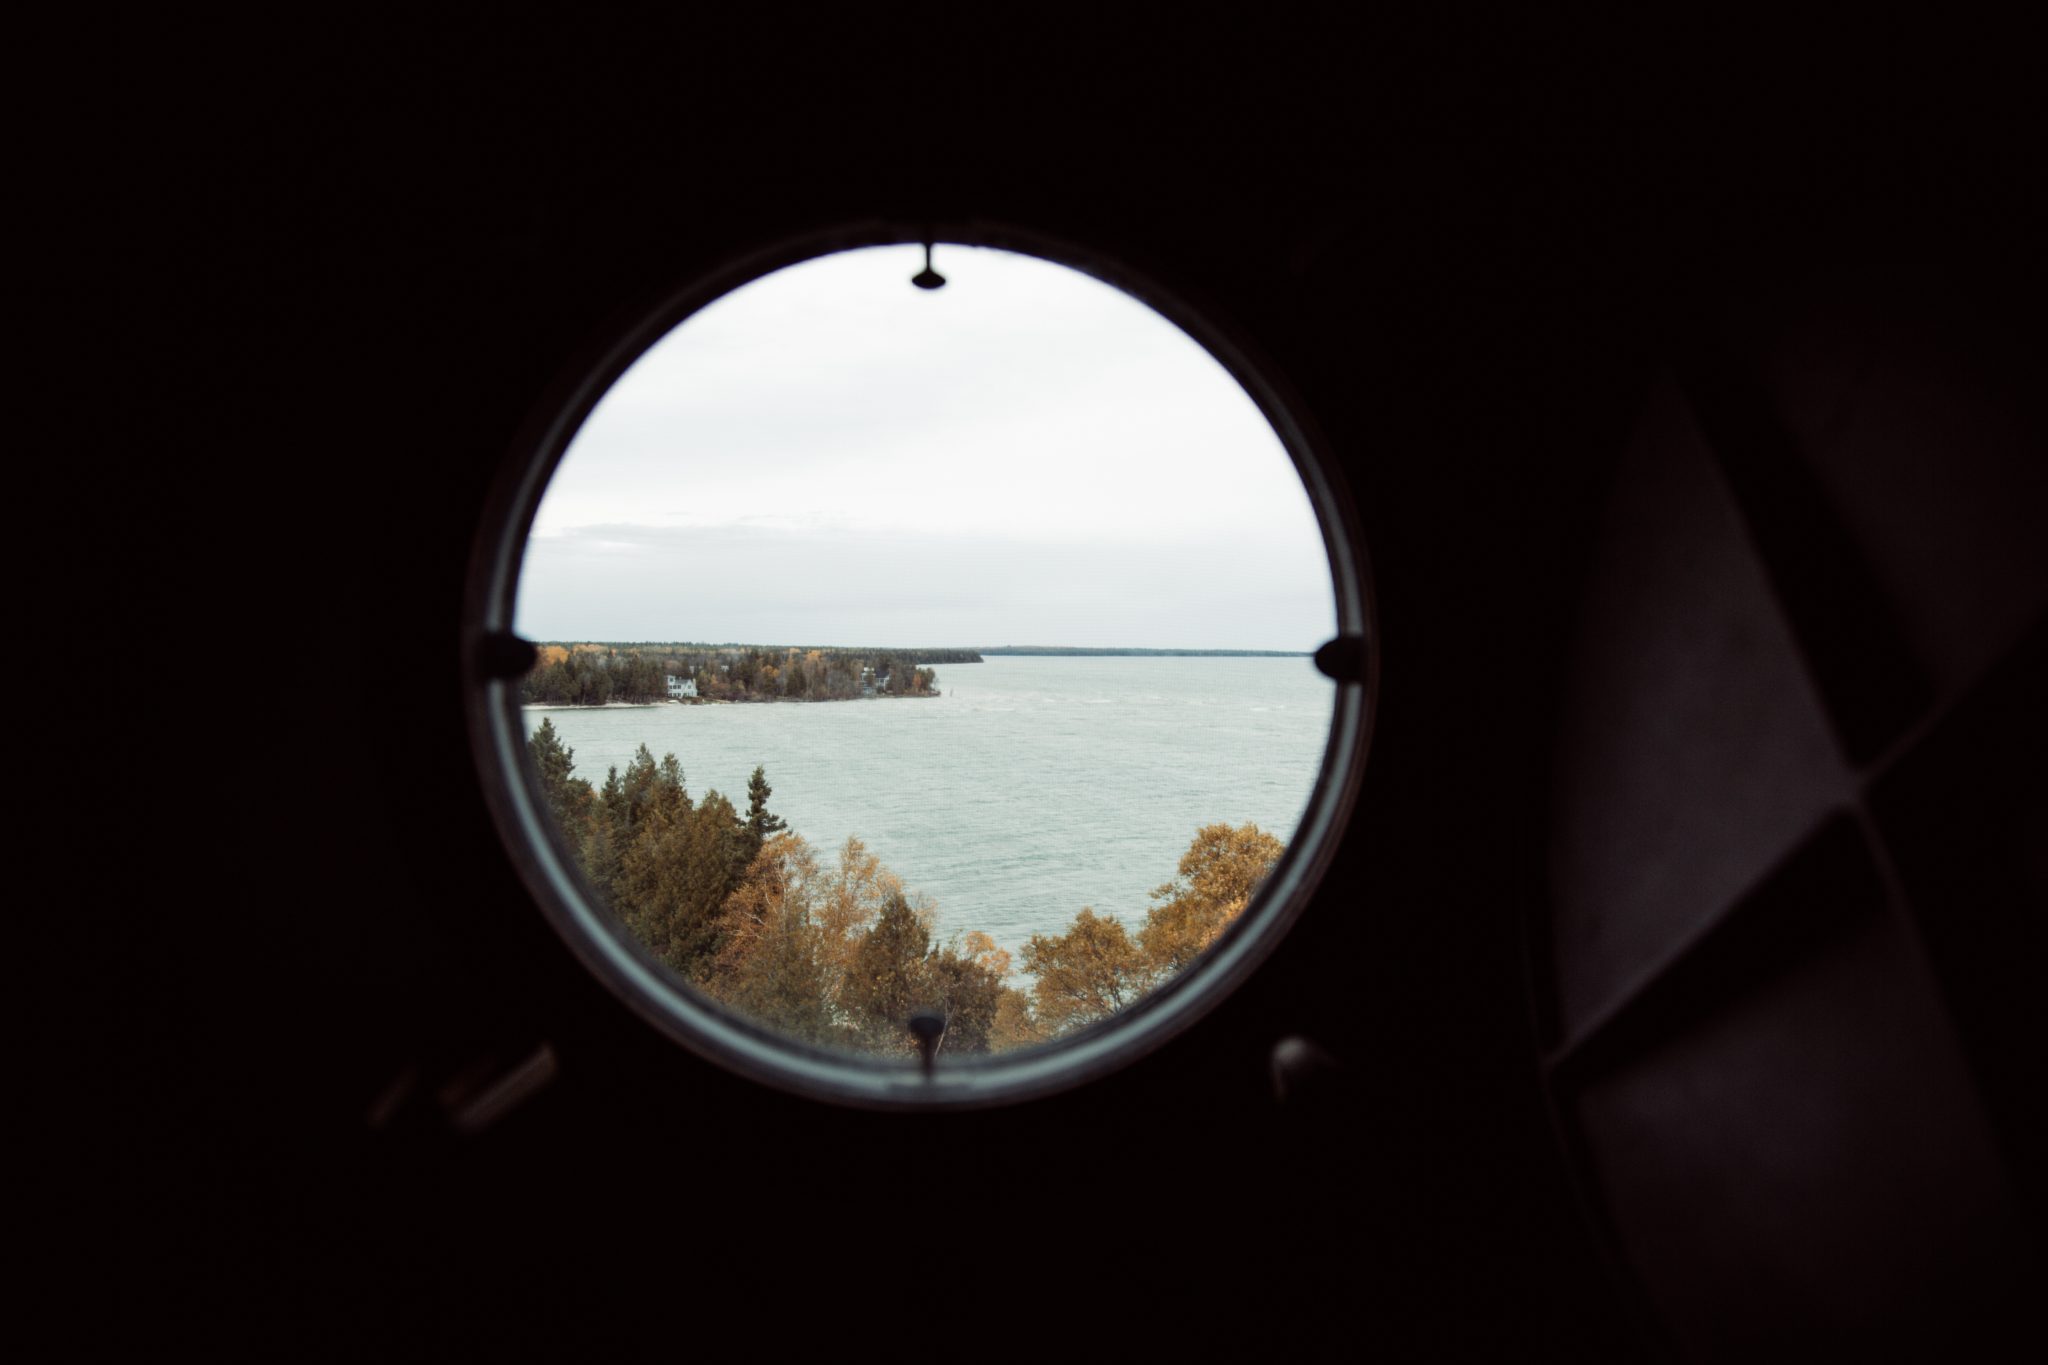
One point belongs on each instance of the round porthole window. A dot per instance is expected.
(904, 671)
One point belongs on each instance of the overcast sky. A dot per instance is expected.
(831, 456)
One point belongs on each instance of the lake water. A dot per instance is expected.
(1032, 787)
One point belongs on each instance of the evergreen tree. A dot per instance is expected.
(600, 859)
(967, 994)
(570, 803)
(648, 786)
(674, 877)
(887, 981)
(553, 761)
(761, 826)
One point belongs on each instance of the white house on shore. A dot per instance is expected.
(679, 688)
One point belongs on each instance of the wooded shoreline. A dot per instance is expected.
(697, 701)
(834, 949)
(589, 674)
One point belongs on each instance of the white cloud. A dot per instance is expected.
(830, 455)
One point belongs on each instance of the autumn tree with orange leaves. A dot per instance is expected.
(1096, 968)
(839, 954)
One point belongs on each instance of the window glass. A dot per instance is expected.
(923, 671)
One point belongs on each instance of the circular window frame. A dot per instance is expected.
(494, 660)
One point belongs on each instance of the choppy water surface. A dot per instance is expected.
(1030, 788)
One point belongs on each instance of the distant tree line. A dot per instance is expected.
(1111, 652)
(836, 951)
(592, 674)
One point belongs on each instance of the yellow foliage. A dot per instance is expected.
(980, 949)
(1088, 973)
(1015, 1025)
(1096, 968)
(1217, 877)
(794, 919)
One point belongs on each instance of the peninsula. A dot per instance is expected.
(641, 673)
(594, 674)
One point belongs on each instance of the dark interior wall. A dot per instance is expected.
(1793, 1075)
(352, 263)
(1787, 1025)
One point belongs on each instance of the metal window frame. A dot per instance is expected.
(661, 998)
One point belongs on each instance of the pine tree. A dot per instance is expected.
(570, 802)
(761, 826)
(554, 761)
(674, 878)
(888, 980)
(648, 786)
(967, 993)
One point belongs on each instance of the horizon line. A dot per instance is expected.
(909, 649)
